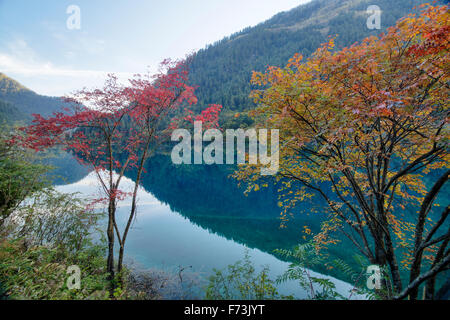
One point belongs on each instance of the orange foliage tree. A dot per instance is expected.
(361, 127)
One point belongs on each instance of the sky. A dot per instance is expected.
(44, 45)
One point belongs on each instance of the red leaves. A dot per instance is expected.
(113, 128)
(159, 96)
(435, 41)
(209, 117)
(433, 29)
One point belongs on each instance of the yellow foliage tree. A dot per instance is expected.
(361, 127)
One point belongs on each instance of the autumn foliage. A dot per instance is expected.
(117, 128)
(361, 127)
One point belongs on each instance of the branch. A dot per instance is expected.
(429, 274)
(411, 166)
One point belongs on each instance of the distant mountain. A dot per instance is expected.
(9, 113)
(17, 104)
(25, 101)
(223, 70)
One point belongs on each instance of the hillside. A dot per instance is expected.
(9, 113)
(223, 70)
(24, 100)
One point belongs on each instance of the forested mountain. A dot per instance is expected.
(17, 104)
(223, 70)
(9, 113)
(24, 100)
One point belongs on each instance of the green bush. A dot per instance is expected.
(55, 219)
(305, 257)
(40, 272)
(241, 282)
(19, 177)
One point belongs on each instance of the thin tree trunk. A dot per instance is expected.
(133, 205)
(443, 264)
(418, 250)
(431, 283)
(110, 235)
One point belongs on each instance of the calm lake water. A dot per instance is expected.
(163, 239)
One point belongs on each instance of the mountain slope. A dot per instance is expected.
(9, 113)
(223, 70)
(26, 101)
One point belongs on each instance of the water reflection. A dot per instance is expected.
(196, 218)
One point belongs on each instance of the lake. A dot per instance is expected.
(168, 240)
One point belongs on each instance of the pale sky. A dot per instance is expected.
(122, 36)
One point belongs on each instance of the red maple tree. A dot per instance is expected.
(117, 128)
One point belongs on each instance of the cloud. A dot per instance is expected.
(22, 63)
(11, 64)
(81, 43)
(23, 60)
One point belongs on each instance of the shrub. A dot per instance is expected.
(241, 282)
(40, 272)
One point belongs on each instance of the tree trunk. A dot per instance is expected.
(429, 289)
(110, 235)
(120, 261)
(133, 204)
(393, 265)
(420, 226)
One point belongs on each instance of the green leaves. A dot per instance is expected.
(241, 282)
(19, 176)
(39, 273)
